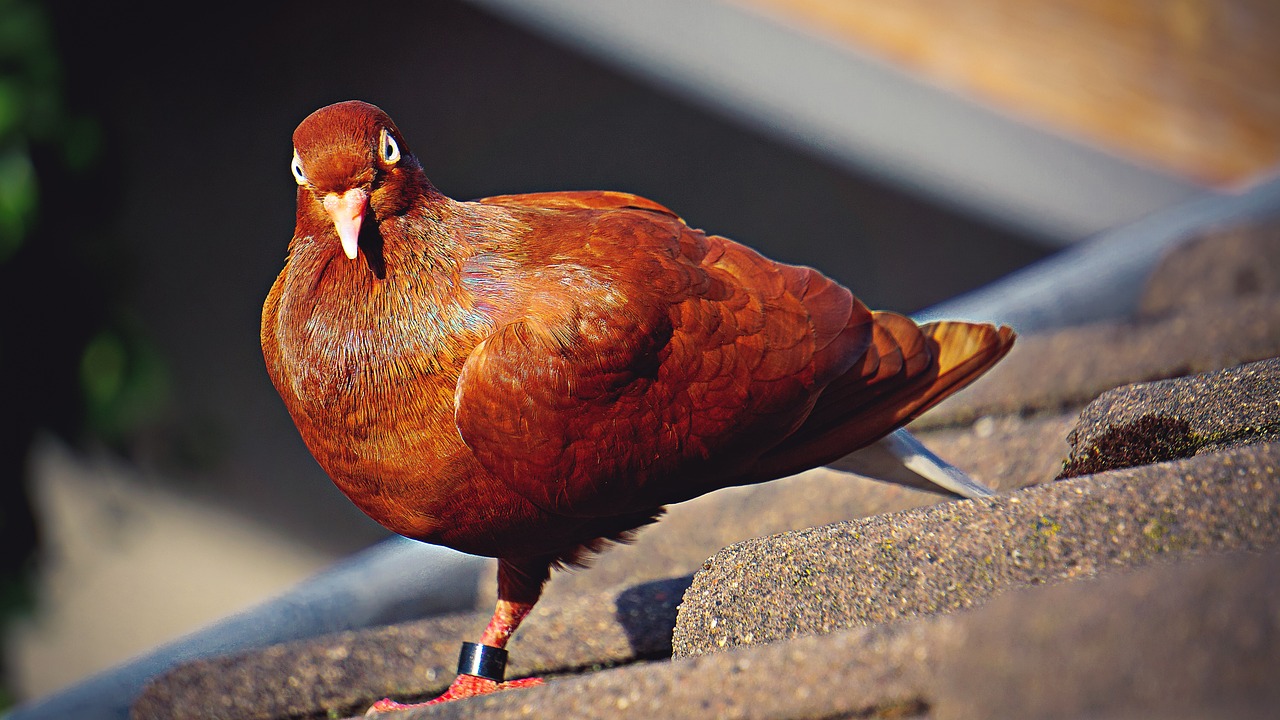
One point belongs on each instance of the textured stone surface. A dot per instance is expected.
(1007, 452)
(1231, 263)
(297, 679)
(954, 555)
(1199, 639)
(1046, 373)
(1180, 417)
(345, 672)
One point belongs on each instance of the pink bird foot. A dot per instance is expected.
(480, 672)
(464, 687)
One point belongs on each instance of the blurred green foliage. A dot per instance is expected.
(120, 376)
(124, 381)
(25, 60)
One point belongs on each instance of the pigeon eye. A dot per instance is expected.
(296, 167)
(388, 148)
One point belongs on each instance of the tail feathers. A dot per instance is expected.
(906, 370)
(965, 352)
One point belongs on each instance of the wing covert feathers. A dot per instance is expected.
(663, 376)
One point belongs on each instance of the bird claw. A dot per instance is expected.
(464, 686)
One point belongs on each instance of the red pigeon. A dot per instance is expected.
(531, 377)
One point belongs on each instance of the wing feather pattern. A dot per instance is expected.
(686, 359)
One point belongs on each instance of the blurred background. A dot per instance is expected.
(150, 479)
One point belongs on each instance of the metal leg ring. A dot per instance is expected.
(483, 661)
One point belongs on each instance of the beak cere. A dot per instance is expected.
(347, 212)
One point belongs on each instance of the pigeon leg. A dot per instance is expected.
(481, 665)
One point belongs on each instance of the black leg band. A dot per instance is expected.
(483, 661)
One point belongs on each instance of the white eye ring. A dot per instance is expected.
(388, 149)
(296, 167)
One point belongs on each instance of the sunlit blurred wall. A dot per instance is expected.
(1188, 85)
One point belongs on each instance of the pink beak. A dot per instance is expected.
(347, 211)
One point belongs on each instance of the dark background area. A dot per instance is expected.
(173, 233)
